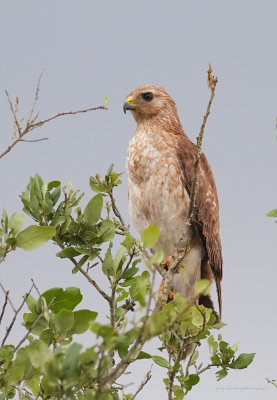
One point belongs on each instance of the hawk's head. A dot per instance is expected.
(148, 101)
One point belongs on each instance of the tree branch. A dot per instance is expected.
(91, 281)
(4, 306)
(212, 81)
(16, 312)
(31, 123)
(146, 379)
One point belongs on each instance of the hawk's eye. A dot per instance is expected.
(148, 96)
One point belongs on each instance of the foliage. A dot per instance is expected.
(48, 363)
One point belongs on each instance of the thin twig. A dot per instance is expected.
(146, 379)
(9, 300)
(189, 360)
(4, 306)
(33, 140)
(117, 213)
(31, 123)
(91, 281)
(35, 286)
(205, 369)
(212, 81)
(16, 312)
(62, 114)
(272, 381)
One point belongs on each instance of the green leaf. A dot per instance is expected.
(47, 336)
(150, 236)
(94, 185)
(39, 354)
(70, 367)
(16, 222)
(93, 209)
(68, 252)
(14, 373)
(128, 242)
(118, 258)
(190, 381)
(34, 236)
(110, 169)
(123, 294)
(272, 213)
(4, 220)
(142, 355)
(140, 287)
(108, 263)
(162, 362)
(31, 303)
(200, 315)
(221, 374)
(82, 319)
(243, 360)
(6, 354)
(64, 299)
(202, 287)
(130, 272)
(106, 100)
(89, 356)
(55, 195)
(157, 258)
(106, 231)
(178, 392)
(64, 321)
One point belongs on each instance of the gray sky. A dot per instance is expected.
(90, 49)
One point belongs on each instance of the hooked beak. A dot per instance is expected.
(128, 105)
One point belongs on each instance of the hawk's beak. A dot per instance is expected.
(129, 105)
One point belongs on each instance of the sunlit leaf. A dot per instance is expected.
(162, 362)
(34, 236)
(150, 236)
(243, 360)
(93, 209)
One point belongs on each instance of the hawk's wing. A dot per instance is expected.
(206, 206)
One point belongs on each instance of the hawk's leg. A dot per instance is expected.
(166, 265)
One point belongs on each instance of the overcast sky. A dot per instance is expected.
(89, 49)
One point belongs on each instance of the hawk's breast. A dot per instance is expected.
(156, 191)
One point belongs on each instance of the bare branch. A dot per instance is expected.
(35, 286)
(31, 123)
(7, 294)
(16, 312)
(91, 281)
(62, 114)
(212, 81)
(272, 381)
(146, 379)
(116, 212)
(205, 369)
(33, 140)
(4, 306)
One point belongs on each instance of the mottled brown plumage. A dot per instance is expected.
(160, 165)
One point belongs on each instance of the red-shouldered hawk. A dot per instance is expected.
(160, 165)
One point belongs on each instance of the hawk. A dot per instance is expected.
(160, 164)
